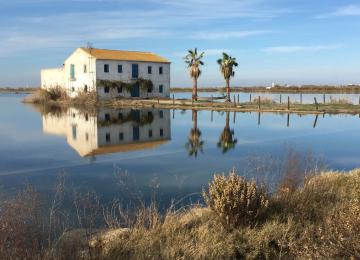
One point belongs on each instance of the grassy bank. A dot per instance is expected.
(264, 106)
(18, 90)
(353, 89)
(58, 98)
(318, 218)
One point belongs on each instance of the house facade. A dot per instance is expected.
(111, 73)
(110, 130)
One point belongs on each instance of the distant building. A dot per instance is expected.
(111, 130)
(85, 68)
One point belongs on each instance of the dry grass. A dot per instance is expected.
(317, 219)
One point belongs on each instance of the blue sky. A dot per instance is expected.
(294, 42)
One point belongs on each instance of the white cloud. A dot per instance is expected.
(299, 48)
(228, 35)
(349, 10)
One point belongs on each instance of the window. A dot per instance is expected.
(120, 116)
(160, 70)
(120, 68)
(149, 70)
(150, 114)
(150, 133)
(161, 132)
(106, 68)
(85, 88)
(161, 114)
(119, 89)
(161, 89)
(106, 89)
(85, 68)
(72, 71)
(149, 90)
(86, 117)
(74, 132)
(121, 136)
(107, 137)
(135, 71)
(107, 117)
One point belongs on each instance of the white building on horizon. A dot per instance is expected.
(85, 67)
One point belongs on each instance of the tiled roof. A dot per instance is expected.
(103, 54)
(126, 147)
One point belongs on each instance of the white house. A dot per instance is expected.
(110, 130)
(111, 73)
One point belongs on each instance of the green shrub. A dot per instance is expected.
(236, 201)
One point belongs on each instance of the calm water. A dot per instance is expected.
(304, 98)
(153, 147)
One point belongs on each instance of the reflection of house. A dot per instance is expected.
(85, 68)
(111, 130)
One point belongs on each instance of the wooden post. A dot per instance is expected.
(234, 101)
(238, 99)
(250, 97)
(280, 99)
(315, 122)
(259, 102)
(300, 98)
(316, 103)
(288, 103)
(234, 116)
(324, 99)
(173, 99)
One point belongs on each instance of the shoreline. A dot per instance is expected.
(308, 89)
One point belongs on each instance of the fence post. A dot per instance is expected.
(250, 97)
(259, 102)
(280, 99)
(300, 98)
(238, 99)
(324, 99)
(316, 103)
(234, 101)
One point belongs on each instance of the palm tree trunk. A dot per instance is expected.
(227, 123)
(194, 94)
(228, 99)
(194, 119)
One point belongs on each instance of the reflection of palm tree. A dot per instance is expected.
(194, 144)
(227, 140)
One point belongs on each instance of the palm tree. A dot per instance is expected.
(194, 144)
(194, 62)
(226, 141)
(227, 64)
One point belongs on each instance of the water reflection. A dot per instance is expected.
(110, 130)
(227, 140)
(195, 143)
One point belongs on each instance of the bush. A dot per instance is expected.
(236, 201)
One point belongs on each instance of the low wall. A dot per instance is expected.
(52, 78)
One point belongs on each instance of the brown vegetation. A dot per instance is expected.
(316, 218)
